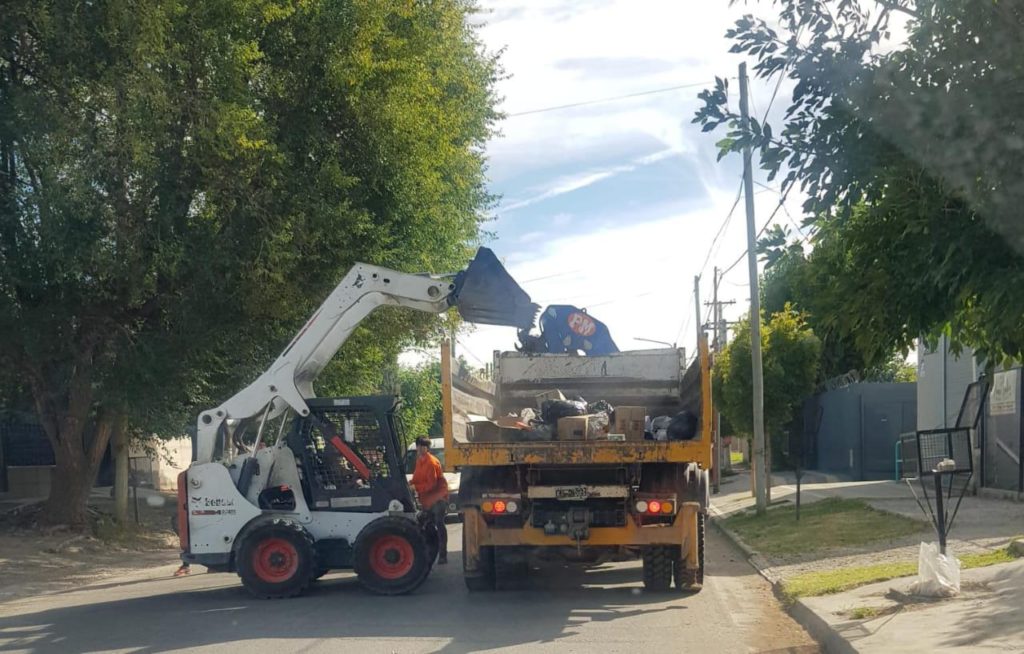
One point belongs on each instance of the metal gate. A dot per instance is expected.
(1003, 433)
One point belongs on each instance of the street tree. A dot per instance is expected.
(790, 354)
(908, 152)
(181, 182)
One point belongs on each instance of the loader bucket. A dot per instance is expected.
(486, 294)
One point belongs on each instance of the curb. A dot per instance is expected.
(997, 494)
(831, 641)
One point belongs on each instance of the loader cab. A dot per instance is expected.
(349, 455)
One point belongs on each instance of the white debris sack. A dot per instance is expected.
(938, 575)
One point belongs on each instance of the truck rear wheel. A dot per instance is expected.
(391, 556)
(482, 579)
(511, 568)
(692, 579)
(658, 567)
(276, 560)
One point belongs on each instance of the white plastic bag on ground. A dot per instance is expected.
(938, 575)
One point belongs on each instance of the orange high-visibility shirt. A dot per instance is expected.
(428, 480)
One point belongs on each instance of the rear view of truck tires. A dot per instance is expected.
(658, 561)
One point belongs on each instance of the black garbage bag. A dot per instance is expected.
(600, 407)
(683, 426)
(552, 410)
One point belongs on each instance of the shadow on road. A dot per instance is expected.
(553, 602)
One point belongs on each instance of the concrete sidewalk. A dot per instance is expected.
(984, 617)
(982, 523)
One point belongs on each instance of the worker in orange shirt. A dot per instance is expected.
(432, 489)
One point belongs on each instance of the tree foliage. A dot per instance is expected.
(790, 355)
(908, 153)
(420, 389)
(182, 182)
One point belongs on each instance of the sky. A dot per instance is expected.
(615, 206)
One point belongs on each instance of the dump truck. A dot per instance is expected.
(580, 497)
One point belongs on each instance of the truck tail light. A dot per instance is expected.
(652, 507)
(183, 535)
(499, 507)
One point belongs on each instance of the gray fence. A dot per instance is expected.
(1002, 433)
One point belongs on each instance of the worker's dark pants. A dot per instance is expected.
(438, 512)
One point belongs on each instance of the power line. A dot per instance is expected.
(721, 230)
(782, 199)
(470, 352)
(759, 233)
(614, 98)
(792, 221)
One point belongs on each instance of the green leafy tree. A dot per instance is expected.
(182, 182)
(909, 155)
(790, 355)
(420, 389)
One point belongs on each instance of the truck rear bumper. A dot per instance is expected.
(682, 533)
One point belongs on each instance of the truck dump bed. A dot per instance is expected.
(655, 379)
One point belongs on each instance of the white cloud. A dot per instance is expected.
(636, 277)
(570, 183)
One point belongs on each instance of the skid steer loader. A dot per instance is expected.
(287, 486)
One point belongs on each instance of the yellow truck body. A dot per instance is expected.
(579, 498)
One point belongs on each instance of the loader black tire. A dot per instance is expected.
(692, 580)
(391, 556)
(276, 559)
(657, 563)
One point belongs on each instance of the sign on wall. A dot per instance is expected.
(1003, 397)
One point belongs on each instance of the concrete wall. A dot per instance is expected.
(177, 455)
(29, 481)
(942, 380)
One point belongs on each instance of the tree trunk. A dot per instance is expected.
(75, 473)
(65, 415)
(120, 449)
(768, 471)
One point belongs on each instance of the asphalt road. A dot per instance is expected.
(560, 609)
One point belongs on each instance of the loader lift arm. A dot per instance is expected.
(483, 293)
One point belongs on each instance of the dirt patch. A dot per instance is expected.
(37, 559)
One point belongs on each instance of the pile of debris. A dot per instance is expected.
(558, 418)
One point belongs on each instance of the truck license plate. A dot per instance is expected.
(571, 493)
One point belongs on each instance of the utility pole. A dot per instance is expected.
(761, 472)
(718, 332)
(696, 303)
(716, 310)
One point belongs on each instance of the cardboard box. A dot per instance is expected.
(489, 431)
(549, 395)
(629, 420)
(573, 428)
